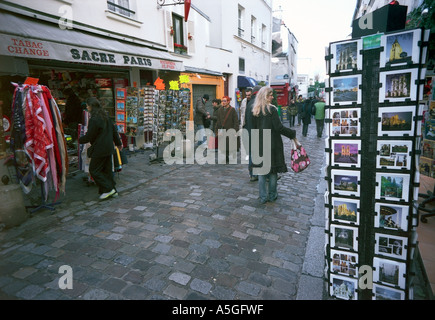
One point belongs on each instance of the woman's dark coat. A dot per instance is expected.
(101, 134)
(271, 121)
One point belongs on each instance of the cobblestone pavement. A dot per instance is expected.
(175, 232)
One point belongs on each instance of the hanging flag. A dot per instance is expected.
(187, 4)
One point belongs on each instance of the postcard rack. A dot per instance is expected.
(373, 147)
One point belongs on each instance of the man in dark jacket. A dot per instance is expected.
(102, 134)
(306, 116)
(200, 114)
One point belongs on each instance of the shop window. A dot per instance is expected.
(241, 65)
(178, 34)
(120, 6)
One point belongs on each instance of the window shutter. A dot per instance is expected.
(191, 32)
(170, 39)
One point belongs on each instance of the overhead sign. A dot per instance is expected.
(37, 49)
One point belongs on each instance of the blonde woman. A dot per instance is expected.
(265, 117)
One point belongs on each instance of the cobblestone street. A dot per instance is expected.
(175, 232)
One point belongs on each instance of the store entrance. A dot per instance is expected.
(198, 91)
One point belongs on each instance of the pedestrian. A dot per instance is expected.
(265, 117)
(201, 114)
(243, 105)
(248, 127)
(306, 116)
(300, 106)
(293, 111)
(102, 134)
(227, 119)
(73, 112)
(320, 117)
(216, 103)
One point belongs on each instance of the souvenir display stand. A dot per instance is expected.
(171, 111)
(373, 150)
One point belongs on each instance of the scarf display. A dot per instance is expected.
(37, 139)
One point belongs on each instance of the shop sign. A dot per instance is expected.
(35, 49)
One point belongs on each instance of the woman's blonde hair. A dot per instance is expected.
(262, 102)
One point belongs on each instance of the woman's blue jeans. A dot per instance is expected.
(268, 189)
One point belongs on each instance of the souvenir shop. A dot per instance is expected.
(32, 64)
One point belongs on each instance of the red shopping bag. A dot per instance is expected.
(299, 160)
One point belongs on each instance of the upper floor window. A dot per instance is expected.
(253, 29)
(240, 21)
(263, 36)
(178, 34)
(121, 6)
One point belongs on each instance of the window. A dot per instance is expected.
(240, 23)
(120, 6)
(178, 34)
(263, 36)
(253, 29)
(241, 65)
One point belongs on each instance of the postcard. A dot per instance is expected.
(401, 48)
(396, 121)
(389, 272)
(394, 154)
(398, 86)
(345, 122)
(386, 293)
(346, 56)
(345, 90)
(345, 210)
(345, 263)
(346, 153)
(343, 287)
(391, 246)
(345, 182)
(391, 216)
(344, 237)
(392, 187)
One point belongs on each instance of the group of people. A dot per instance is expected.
(305, 110)
(256, 112)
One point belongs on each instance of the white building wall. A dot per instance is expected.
(213, 26)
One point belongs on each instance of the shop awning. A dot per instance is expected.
(245, 82)
(32, 39)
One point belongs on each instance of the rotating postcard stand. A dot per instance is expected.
(374, 125)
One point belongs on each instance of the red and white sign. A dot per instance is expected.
(36, 49)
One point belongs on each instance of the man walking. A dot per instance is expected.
(300, 106)
(200, 114)
(243, 105)
(320, 117)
